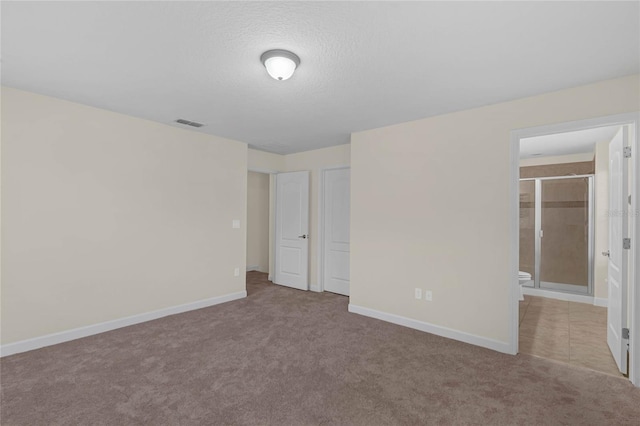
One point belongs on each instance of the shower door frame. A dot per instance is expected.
(539, 235)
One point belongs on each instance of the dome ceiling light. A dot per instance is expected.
(280, 64)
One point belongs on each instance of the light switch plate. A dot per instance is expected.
(428, 295)
(236, 272)
(418, 294)
(235, 224)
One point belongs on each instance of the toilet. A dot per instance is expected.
(523, 278)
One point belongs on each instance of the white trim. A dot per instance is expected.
(271, 269)
(265, 171)
(515, 292)
(253, 268)
(632, 119)
(600, 301)
(315, 287)
(320, 230)
(558, 295)
(433, 329)
(634, 281)
(90, 330)
(569, 288)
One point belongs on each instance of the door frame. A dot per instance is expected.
(632, 119)
(319, 287)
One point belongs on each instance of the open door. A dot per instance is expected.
(292, 230)
(618, 255)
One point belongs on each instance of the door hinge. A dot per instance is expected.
(626, 243)
(625, 333)
(627, 152)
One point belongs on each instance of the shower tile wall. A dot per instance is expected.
(565, 221)
(565, 169)
(564, 247)
(527, 227)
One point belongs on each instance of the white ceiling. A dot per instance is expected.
(578, 142)
(364, 64)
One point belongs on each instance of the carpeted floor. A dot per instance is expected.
(288, 357)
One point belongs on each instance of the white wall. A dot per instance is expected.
(105, 216)
(430, 208)
(557, 159)
(258, 222)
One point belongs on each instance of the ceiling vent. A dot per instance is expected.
(189, 123)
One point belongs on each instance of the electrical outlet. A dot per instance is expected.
(428, 295)
(418, 293)
(236, 272)
(235, 224)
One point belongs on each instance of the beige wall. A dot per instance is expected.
(315, 161)
(258, 222)
(260, 161)
(601, 240)
(105, 216)
(430, 207)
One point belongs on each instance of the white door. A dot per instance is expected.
(335, 274)
(617, 274)
(292, 229)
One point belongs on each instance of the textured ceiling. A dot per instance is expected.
(364, 64)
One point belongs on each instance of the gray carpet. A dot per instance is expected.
(287, 357)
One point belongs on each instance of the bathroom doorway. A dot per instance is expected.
(562, 221)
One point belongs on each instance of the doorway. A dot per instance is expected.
(561, 294)
(258, 221)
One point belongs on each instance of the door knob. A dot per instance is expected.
(302, 236)
(606, 253)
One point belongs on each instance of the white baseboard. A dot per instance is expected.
(77, 333)
(599, 301)
(315, 287)
(558, 295)
(253, 268)
(434, 329)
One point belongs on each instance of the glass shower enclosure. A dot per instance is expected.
(556, 232)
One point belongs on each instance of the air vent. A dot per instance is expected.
(189, 123)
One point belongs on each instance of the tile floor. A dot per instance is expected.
(575, 333)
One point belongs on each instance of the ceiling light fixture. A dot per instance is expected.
(280, 64)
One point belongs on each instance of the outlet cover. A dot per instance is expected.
(236, 272)
(428, 295)
(418, 294)
(235, 224)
